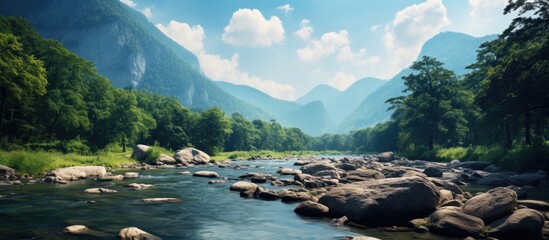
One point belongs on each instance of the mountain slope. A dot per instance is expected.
(455, 50)
(127, 49)
(322, 92)
(311, 118)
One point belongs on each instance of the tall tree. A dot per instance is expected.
(212, 129)
(429, 111)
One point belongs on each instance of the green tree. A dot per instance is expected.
(212, 129)
(429, 112)
(22, 77)
(243, 135)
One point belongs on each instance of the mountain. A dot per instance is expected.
(127, 49)
(339, 104)
(322, 92)
(455, 50)
(312, 118)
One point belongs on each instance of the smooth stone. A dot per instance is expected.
(139, 186)
(111, 178)
(432, 172)
(288, 171)
(363, 175)
(386, 156)
(313, 168)
(311, 209)
(83, 230)
(208, 174)
(99, 190)
(131, 175)
(140, 152)
(534, 204)
(192, 155)
(165, 159)
(521, 224)
(161, 200)
(455, 224)
(185, 173)
(133, 233)
(76, 173)
(491, 205)
(242, 186)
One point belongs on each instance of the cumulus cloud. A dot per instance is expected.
(130, 3)
(327, 45)
(147, 12)
(305, 30)
(248, 27)
(342, 80)
(285, 8)
(218, 68)
(410, 28)
(192, 38)
(486, 7)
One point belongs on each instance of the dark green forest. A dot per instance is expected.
(51, 99)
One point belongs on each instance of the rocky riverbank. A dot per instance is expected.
(381, 191)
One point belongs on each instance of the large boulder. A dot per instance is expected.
(385, 202)
(192, 155)
(317, 167)
(363, 175)
(432, 172)
(133, 233)
(311, 209)
(327, 174)
(242, 186)
(455, 224)
(77, 173)
(6, 172)
(165, 159)
(140, 152)
(386, 156)
(522, 224)
(491, 205)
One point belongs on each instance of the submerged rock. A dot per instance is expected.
(384, 202)
(131, 175)
(242, 186)
(139, 186)
(160, 200)
(83, 230)
(209, 174)
(111, 178)
(99, 190)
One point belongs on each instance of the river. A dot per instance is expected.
(206, 211)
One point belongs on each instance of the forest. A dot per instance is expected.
(53, 100)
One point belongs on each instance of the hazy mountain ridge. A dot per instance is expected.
(455, 50)
(127, 49)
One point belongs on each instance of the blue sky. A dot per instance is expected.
(285, 48)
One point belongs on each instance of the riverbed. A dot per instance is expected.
(206, 211)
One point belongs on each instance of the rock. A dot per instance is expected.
(534, 204)
(432, 172)
(209, 174)
(452, 187)
(474, 165)
(6, 172)
(288, 171)
(192, 155)
(385, 202)
(386, 157)
(446, 196)
(346, 166)
(338, 222)
(358, 238)
(491, 205)
(138, 186)
(131, 175)
(302, 177)
(419, 223)
(495, 180)
(216, 181)
(521, 193)
(327, 174)
(77, 173)
(455, 224)
(140, 152)
(521, 224)
(76, 229)
(133, 233)
(242, 186)
(160, 200)
(111, 178)
(532, 179)
(317, 167)
(311, 209)
(301, 163)
(99, 190)
(259, 179)
(268, 195)
(290, 196)
(185, 173)
(165, 159)
(363, 175)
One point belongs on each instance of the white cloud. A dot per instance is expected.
(347, 55)
(218, 68)
(248, 27)
(192, 38)
(342, 80)
(305, 30)
(486, 7)
(130, 3)
(375, 27)
(327, 45)
(285, 8)
(147, 12)
(409, 30)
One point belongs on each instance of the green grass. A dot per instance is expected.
(243, 155)
(40, 162)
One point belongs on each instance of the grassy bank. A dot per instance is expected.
(40, 162)
(519, 158)
(243, 155)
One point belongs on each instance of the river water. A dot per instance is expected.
(206, 211)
